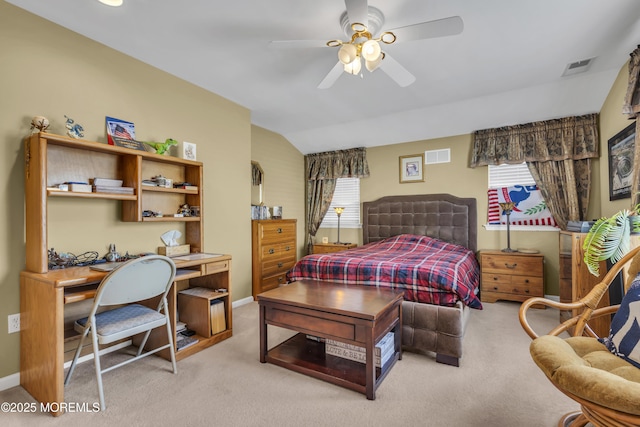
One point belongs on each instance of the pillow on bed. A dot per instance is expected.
(624, 337)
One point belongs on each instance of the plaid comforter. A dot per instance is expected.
(429, 270)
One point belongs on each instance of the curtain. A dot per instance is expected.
(631, 108)
(322, 170)
(558, 153)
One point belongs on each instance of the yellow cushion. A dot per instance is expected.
(584, 367)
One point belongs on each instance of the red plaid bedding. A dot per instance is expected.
(429, 270)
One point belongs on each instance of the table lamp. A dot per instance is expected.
(507, 208)
(339, 211)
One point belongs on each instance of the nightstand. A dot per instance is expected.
(512, 276)
(325, 248)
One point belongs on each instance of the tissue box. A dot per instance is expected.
(174, 250)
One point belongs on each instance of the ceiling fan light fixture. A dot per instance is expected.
(353, 67)
(114, 3)
(372, 65)
(371, 50)
(347, 53)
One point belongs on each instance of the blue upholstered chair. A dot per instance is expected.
(136, 280)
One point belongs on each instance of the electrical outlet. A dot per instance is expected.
(14, 323)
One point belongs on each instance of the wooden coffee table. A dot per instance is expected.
(358, 315)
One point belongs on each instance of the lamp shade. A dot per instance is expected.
(372, 65)
(371, 50)
(353, 67)
(347, 53)
(338, 210)
(112, 2)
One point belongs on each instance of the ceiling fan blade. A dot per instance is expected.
(333, 75)
(431, 29)
(358, 11)
(296, 44)
(396, 71)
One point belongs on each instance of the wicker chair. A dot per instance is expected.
(606, 386)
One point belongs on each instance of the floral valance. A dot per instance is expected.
(350, 163)
(559, 139)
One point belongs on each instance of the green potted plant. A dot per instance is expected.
(610, 238)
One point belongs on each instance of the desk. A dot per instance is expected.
(42, 304)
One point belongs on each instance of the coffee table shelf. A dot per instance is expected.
(308, 357)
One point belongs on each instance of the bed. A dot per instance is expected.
(411, 232)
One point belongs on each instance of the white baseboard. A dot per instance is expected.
(241, 302)
(13, 380)
(10, 381)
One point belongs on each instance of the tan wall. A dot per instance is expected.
(50, 71)
(612, 121)
(284, 184)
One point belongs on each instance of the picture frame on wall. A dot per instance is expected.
(412, 168)
(621, 149)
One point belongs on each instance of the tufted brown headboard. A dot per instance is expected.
(443, 216)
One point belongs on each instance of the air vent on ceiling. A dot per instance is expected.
(577, 67)
(437, 156)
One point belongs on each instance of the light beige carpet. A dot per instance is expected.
(497, 384)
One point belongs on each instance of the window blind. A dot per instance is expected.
(509, 175)
(346, 195)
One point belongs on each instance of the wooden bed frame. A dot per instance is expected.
(427, 328)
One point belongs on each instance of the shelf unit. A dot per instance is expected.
(53, 159)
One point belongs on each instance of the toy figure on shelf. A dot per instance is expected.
(74, 130)
(162, 147)
(185, 210)
(39, 122)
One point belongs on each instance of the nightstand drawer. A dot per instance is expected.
(516, 285)
(512, 264)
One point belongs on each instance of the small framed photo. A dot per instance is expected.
(621, 153)
(188, 151)
(412, 168)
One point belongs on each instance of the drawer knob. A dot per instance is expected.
(526, 280)
(280, 279)
(279, 230)
(526, 291)
(495, 278)
(287, 248)
(279, 265)
(511, 266)
(495, 288)
(272, 251)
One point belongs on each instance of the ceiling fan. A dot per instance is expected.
(360, 22)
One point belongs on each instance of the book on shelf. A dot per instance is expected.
(384, 350)
(107, 182)
(108, 189)
(183, 341)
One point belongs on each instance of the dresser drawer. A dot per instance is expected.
(270, 268)
(273, 282)
(278, 250)
(276, 232)
(512, 264)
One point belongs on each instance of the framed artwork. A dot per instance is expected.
(621, 151)
(188, 151)
(412, 168)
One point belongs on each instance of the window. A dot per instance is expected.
(347, 195)
(531, 212)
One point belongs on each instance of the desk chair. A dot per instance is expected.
(134, 281)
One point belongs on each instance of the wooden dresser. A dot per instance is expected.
(512, 276)
(273, 243)
(576, 281)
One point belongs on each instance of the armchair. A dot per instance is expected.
(606, 385)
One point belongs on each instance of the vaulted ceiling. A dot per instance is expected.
(506, 67)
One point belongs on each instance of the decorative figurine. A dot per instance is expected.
(162, 147)
(39, 122)
(185, 210)
(74, 130)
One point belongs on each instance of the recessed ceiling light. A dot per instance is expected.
(112, 2)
